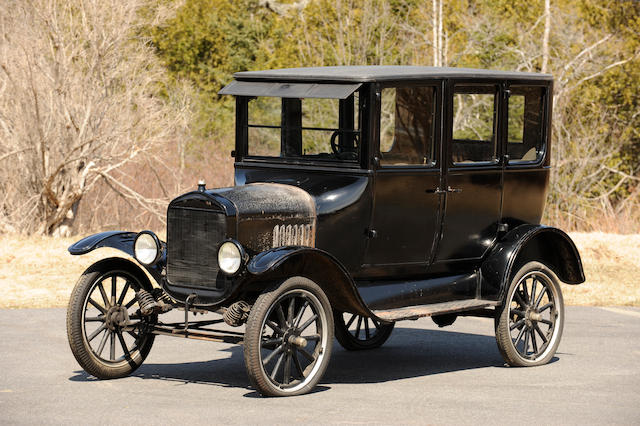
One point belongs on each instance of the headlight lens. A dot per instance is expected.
(146, 248)
(230, 257)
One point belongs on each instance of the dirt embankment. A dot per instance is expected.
(38, 272)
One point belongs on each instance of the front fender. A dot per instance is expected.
(317, 265)
(545, 244)
(120, 240)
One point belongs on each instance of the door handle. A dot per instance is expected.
(436, 191)
(442, 191)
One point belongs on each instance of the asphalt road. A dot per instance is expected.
(423, 375)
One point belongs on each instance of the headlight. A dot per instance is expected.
(230, 256)
(146, 248)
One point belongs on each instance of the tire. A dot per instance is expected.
(534, 315)
(291, 322)
(354, 333)
(92, 313)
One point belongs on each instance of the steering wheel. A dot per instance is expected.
(334, 144)
(337, 149)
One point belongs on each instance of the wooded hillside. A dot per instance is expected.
(109, 109)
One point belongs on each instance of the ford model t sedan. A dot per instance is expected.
(363, 196)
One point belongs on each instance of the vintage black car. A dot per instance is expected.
(364, 195)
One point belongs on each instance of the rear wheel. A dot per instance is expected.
(107, 335)
(356, 332)
(288, 338)
(529, 323)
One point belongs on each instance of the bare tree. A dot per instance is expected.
(78, 100)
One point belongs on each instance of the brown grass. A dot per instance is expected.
(38, 272)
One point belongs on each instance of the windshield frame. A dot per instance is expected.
(361, 110)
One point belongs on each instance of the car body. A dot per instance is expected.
(364, 195)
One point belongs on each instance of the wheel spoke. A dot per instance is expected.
(518, 312)
(281, 318)
(525, 291)
(296, 363)
(545, 307)
(269, 357)
(103, 341)
(274, 327)
(353, 317)
(124, 292)
(308, 322)
(127, 355)
(357, 335)
(300, 313)
(96, 332)
(271, 342)
(515, 342)
(133, 334)
(521, 302)
(517, 324)
(97, 306)
(287, 368)
(540, 296)
(526, 343)
(546, 321)
(366, 328)
(113, 290)
(533, 290)
(112, 349)
(277, 367)
(292, 305)
(542, 336)
(131, 303)
(104, 295)
(375, 323)
(533, 341)
(306, 354)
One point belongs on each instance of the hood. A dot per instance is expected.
(271, 215)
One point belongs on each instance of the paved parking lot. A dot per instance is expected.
(423, 375)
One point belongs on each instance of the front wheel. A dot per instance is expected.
(107, 335)
(529, 323)
(288, 338)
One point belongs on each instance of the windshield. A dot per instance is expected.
(320, 129)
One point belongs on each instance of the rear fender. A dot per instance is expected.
(545, 244)
(315, 264)
(120, 240)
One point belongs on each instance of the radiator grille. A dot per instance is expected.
(193, 237)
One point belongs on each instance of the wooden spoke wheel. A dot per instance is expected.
(356, 332)
(288, 338)
(529, 324)
(107, 335)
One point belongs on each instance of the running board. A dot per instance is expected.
(415, 312)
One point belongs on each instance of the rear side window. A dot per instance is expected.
(525, 128)
(407, 126)
(474, 124)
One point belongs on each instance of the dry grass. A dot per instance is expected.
(612, 267)
(38, 272)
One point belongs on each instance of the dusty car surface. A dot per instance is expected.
(363, 196)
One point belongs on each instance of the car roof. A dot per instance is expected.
(382, 73)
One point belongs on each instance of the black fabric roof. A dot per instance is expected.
(372, 73)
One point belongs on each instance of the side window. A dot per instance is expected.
(474, 124)
(525, 125)
(407, 126)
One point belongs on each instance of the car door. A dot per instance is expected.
(474, 173)
(406, 204)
